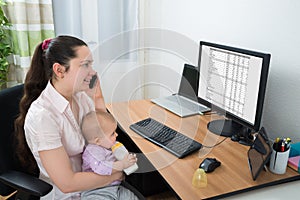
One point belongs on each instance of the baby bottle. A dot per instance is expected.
(199, 178)
(119, 151)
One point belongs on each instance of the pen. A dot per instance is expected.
(282, 146)
(288, 142)
(276, 146)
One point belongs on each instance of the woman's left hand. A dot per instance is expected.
(96, 94)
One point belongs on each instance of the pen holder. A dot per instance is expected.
(278, 161)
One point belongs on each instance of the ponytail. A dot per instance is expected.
(35, 82)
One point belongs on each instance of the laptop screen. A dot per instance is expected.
(189, 82)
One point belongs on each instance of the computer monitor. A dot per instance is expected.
(233, 81)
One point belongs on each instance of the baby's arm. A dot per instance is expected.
(126, 162)
(94, 159)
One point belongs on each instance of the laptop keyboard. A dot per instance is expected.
(193, 106)
(165, 137)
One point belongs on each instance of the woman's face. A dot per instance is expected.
(81, 71)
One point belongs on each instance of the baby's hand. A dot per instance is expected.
(129, 160)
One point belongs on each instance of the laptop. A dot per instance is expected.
(185, 102)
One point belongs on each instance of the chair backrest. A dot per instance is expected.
(9, 110)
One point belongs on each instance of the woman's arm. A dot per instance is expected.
(98, 98)
(58, 167)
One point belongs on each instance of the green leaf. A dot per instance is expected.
(5, 45)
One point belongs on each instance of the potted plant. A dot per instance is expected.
(5, 49)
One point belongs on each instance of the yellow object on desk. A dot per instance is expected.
(199, 178)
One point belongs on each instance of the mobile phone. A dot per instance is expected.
(93, 81)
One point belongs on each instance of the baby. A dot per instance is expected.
(99, 130)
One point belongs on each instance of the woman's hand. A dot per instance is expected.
(118, 176)
(96, 94)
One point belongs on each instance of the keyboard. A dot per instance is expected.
(165, 137)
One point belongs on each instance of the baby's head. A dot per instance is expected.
(99, 128)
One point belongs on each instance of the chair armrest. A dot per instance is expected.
(26, 183)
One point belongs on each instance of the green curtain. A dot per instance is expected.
(32, 22)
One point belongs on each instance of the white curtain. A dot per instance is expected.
(110, 27)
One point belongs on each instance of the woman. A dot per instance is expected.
(56, 97)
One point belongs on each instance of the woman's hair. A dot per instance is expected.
(57, 50)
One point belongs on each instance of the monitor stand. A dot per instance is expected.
(229, 128)
(224, 127)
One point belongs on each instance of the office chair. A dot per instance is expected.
(12, 176)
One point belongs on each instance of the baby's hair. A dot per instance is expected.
(94, 122)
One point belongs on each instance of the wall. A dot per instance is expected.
(114, 47)
(264, 25)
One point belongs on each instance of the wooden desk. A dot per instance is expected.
(232, 177)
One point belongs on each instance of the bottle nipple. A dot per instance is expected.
(199, 178)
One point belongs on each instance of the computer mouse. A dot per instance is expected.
(209, 164)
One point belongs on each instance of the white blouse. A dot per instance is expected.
(50, 124)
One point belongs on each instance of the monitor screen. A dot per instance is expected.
(189, 82)
(233, 80)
